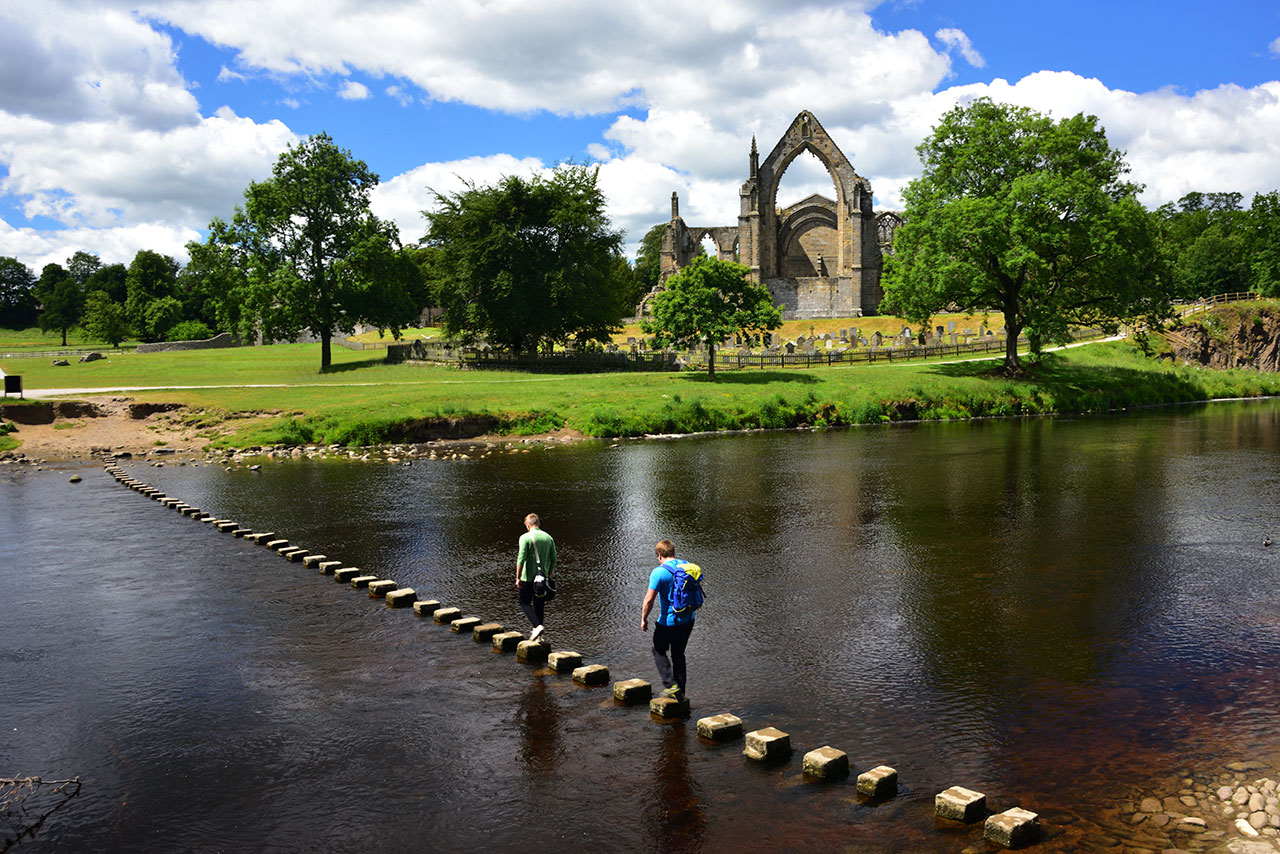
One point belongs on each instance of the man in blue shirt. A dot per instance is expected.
(670, 630)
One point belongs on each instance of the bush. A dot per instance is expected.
(189, 330)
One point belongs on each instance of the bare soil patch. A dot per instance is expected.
(81, 429)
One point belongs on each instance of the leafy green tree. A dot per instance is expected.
(61, 300)
(160, 316)
(18, 307)
(648, 260)
(111, 280)
(82, 265)
(308, 254)
(528, 261)
(216, 279)
(104, 319)
(708, 301)
(1029, 216)
(1263, 229)
(151, 277)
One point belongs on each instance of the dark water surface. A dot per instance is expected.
(1054, 612)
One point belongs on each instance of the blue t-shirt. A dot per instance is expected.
(661, 579)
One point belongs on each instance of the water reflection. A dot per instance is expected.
(1015, 606)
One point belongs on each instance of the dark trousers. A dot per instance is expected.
(674, 639)
(530, 604)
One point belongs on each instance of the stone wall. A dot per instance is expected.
(216, 342)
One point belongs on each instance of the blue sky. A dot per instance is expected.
(126, 126)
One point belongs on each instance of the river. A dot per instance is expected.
(1063, 614)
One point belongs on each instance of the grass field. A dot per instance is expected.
(363, 400)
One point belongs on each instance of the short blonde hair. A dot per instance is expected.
(665, 548)
(532, 519)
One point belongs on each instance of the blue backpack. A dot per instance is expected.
(686, 586)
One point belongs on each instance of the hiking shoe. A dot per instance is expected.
(675, 692)
(536, 633)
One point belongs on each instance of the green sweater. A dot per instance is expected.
(546, 553)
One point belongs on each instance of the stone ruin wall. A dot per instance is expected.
(820, 257)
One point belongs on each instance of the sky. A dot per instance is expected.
(130, 125)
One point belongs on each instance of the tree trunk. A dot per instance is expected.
(711, 361)
(64, 336)
(325, 335)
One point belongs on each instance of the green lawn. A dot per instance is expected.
(33, 339)
(363, 400)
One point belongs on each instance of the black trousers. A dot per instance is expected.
(530, 604)
(673, 639)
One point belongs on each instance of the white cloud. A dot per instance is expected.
(36, 247)
(353, 91)
(98, 129)
(105, 174)
(403, 198)
(958, 40)
(1274, 47)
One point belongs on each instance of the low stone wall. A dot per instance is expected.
(217, 342)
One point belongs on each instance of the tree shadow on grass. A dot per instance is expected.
(745, 377)
(1085, 386)
(343, 367)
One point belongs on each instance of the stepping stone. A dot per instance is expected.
(464, 624)
(227, 526)
(426, 607)
(767, 743)
(378, 589)
(262, 537)
(486, 631)
(505, 641)
(402, 597)
(826, 763)
(293, 553)
(328, 566)
(1012, 828)
(241, 532)
(880, 782)
(534, 651)
(344, 575)
(722, 727)
(360, 582)
(592, 674)
(446, 615)
(669, 708)
(564, 661)
(312, 561)
(632, 691)
(960, 804)
(277, 545)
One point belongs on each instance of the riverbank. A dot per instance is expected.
(272, 396)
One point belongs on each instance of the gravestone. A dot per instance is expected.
(877, 340)
(951, 326)
(791, 348)
(939, 332)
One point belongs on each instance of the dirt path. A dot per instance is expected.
(77, 438)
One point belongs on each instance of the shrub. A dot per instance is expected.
(189, 330)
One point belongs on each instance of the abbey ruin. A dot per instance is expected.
(819, 257)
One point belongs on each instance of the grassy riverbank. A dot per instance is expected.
(365, 401)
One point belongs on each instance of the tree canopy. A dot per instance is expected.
(1026, 215)
(528, 261)
(151, 280)
(61, 300)
(18, 307)
(708, 301)
(305, 253)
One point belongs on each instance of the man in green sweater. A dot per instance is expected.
(535, 556)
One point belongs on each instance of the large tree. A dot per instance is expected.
(18, 307)
(104, 319)
(528, 261)
(708, 301)
(1018, 213)
(152, 278)
(61, 300)
(309, 254)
